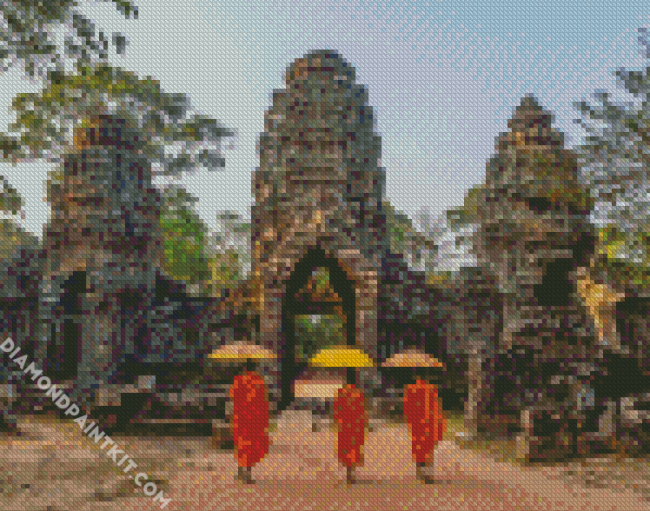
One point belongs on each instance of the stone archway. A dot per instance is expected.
(296, 303)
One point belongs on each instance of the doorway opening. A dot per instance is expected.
(318, 310)
(64, 354)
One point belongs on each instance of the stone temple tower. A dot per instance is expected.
(534, 235)
(105, 247)
(318, 195)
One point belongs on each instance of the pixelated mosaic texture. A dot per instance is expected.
(94, 306)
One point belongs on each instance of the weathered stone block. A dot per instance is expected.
(547, 436)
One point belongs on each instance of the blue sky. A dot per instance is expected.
(443, 78)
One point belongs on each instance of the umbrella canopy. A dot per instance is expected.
(412, 358)
(341, 356)
(241, 351)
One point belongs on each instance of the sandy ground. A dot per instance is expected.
(56, 467)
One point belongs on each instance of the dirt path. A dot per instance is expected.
(56, 467)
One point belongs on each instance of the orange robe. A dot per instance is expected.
(427, 424)
(351, 418)
(250, 418)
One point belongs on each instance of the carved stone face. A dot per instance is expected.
(525, 235)
(105, 207)
(319, 171)
(533, 212)
(319, 132)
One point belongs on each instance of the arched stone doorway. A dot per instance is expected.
(299, 301)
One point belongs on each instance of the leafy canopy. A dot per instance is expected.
(158, 116)
(185, 237)
(10, 199)
(614, 157)
(27, 36)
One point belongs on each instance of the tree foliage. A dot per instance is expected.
(185, 237)
(27, 36)
(452, 235)
(467, 214)
(10, 200)
(159, 117)
(230, 257)
(614, 158)
(403, 238)
(12, 235)
(611, 246)
(46, 120)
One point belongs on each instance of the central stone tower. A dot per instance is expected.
(318, 196)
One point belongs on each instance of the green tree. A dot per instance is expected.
(46, 120)
(26, 36)
(467, 214)
(403, 238)
(42, 119)
(614, 160)
(452, 235)
(230, 258)
(10, 200)
(611, 257)
(185, 238)
(159, 117)
(12, 235)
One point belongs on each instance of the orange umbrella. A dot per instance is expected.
(412, 358)
(241, 351)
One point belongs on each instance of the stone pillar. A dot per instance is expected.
(604, 439)
(270, 371)
(635, 423)
(607, 422)
(366, 321)
(475, 422)
(98, 336)
(11, 387)
(370, 383)
(532, 445)
(524, 438)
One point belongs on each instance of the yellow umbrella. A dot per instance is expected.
(241, 351)
(342, 356)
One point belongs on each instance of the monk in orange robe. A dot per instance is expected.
(352, 419)
(426, 422)
(250, 422)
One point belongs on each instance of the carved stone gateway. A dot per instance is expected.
(514, 327)
(317, 205)
(319, 249)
